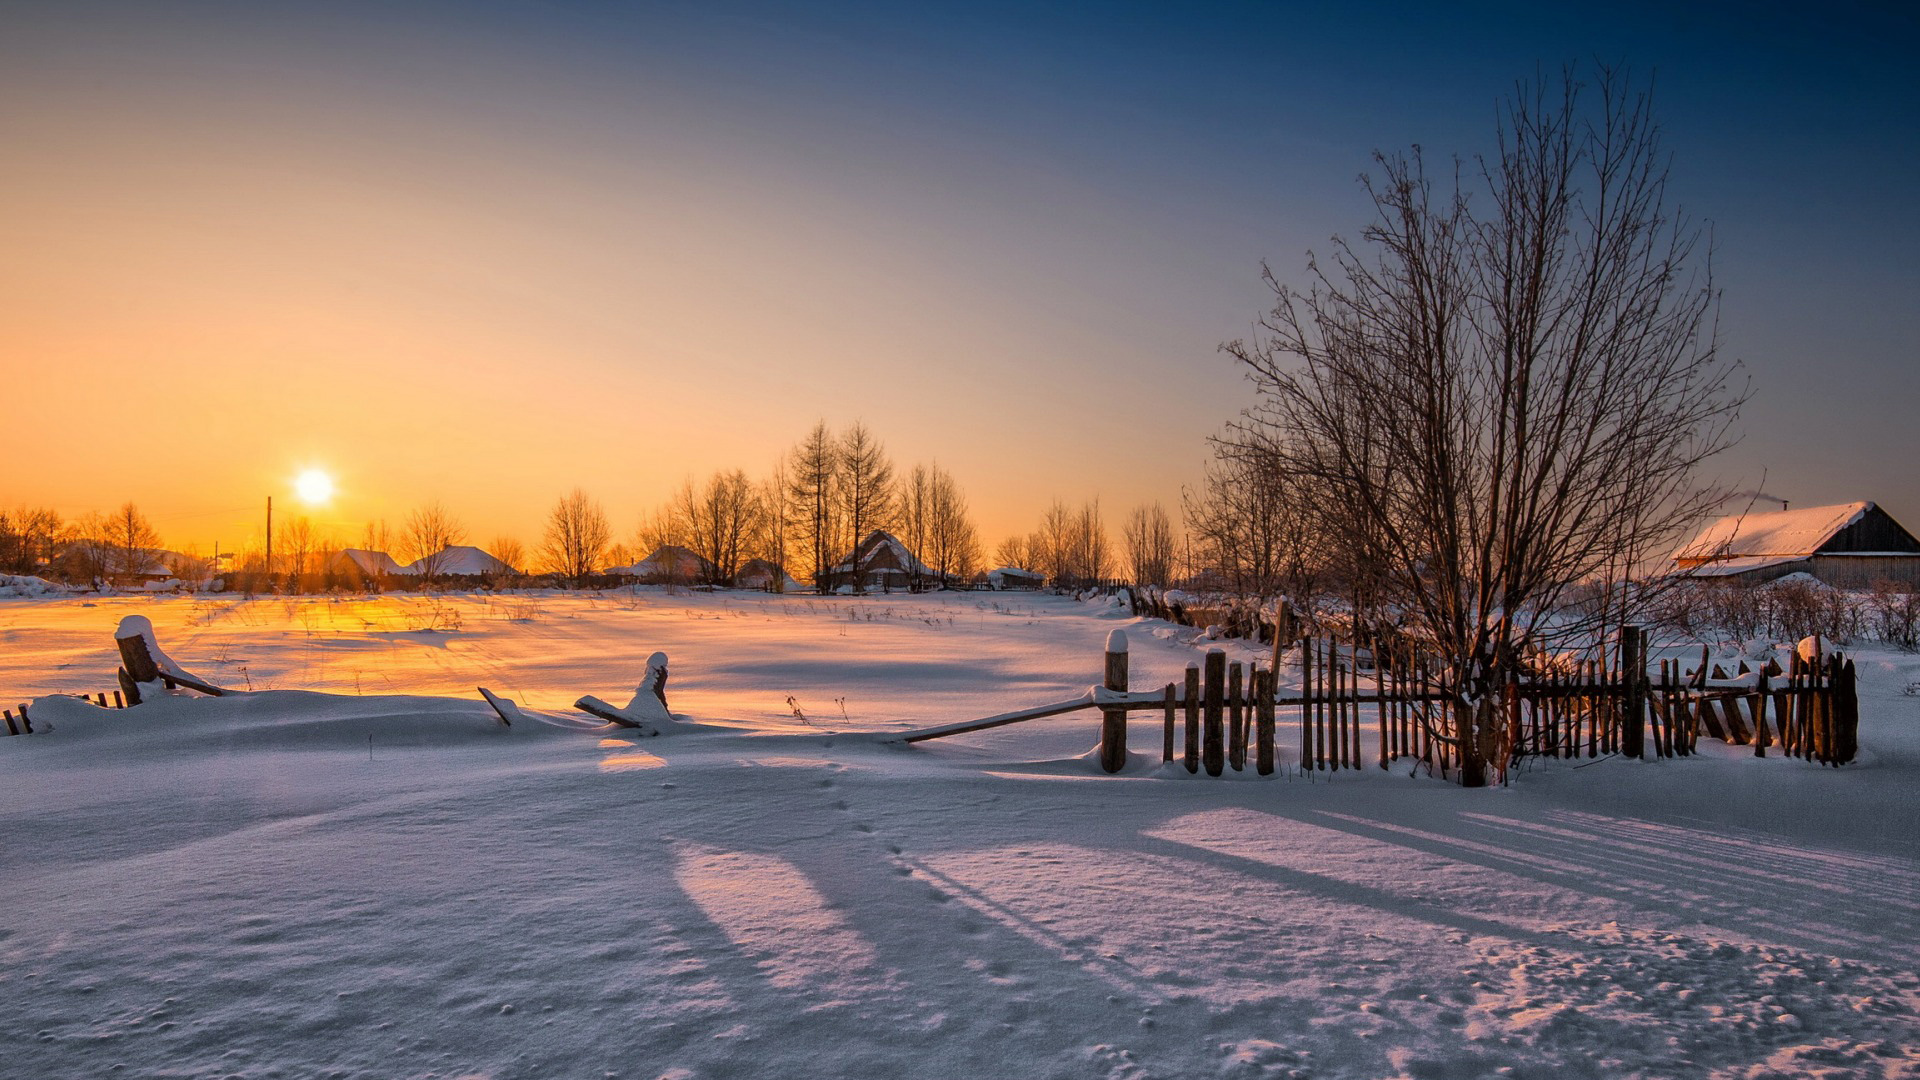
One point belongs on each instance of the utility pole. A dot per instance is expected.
(269, 541)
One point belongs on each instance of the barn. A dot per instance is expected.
(1849, 546)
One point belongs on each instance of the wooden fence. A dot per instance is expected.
(1354, 705)
(23, 724)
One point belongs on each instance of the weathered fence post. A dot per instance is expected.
(1113, 722)
(1263, 689)
(1166, 744)
(1236, 717)
(1213, 751)
(1193, 717)
(1633, 670)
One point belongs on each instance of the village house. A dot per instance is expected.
(882, 562)
(1849, 546)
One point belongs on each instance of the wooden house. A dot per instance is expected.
(1849, 546)
(882, 562)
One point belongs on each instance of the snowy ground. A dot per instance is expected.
(374, 885)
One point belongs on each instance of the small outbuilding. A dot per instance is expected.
(1013, 577)
(765, 575)
(1849, 546)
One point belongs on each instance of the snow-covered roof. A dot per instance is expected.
(1000, 575)
(371, 563)
(460, 560)
(668, 560)
(881, 543)
(1782, 532)
(1739, 565)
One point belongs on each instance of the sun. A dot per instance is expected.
(314, 486)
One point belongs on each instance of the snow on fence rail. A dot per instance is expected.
(1352, 703)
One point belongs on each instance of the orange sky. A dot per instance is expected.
(483, 253)
(238, 275)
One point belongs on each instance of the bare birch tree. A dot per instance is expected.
(1508, 389)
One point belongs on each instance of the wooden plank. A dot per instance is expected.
(1017, 716)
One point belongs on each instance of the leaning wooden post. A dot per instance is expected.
(1633, 670)
(1213, 750)
(1192, 702)
(1113, 721)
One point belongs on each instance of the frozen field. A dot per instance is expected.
(383, 882)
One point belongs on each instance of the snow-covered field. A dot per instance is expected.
(372, 883)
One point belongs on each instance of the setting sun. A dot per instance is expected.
(314, 486)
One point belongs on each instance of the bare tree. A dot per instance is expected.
(1511, 392)
(294, 544)
(576, 538)
(514, 554)
(135, 544)
(88, 549)
(813, 485)
(1051, 545)
(951, 545)
(665, 526)
(1150, 545)
(1089, 556)
(429, 532)
(916, 512)
(865, 487)
(1015, 552)
(721, 518)
(377, 537)
(29, 538)
(769, 541)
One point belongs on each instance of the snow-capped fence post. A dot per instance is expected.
(1192, 702)
(1113, 722)
(1633, 667)
(1213, 752)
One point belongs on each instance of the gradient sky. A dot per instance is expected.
(484, 253)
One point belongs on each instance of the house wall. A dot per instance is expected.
(1861, 571)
